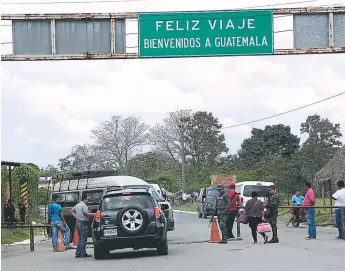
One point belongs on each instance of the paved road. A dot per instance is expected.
(292, 251)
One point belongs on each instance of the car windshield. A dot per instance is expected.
(212, 193)
(122, 201)
(261, 190)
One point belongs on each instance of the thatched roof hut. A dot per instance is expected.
(333, 171)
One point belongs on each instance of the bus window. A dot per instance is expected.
(94, 196)
(68, 199)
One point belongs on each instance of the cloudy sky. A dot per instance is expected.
(47, 107)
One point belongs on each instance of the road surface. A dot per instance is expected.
(185, 253)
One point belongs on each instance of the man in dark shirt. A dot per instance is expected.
(10, 211)
(22, 210)
(223, 206)
(272, 213)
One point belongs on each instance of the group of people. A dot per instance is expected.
(308, 201)
(81, 214)
(227, 209)
(258, 212)
(10, 211)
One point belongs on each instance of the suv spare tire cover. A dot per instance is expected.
(143, 214)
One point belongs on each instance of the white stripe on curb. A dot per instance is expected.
(185, 212)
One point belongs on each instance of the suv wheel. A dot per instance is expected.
(99, 252)
(132, 219)
(162, 247)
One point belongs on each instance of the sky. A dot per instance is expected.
(49, 106)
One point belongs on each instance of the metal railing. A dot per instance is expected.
(30, 226)
(342, 215)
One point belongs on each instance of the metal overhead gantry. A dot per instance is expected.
(87, 36)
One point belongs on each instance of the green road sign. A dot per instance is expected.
(182, 34)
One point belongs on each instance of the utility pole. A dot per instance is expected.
(183, 153)
(183, 162)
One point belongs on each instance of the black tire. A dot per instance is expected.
(199, 214)
(162, 247)
(295, 223)
(99, 252)
(143, 214)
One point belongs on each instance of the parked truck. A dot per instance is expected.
(224, 179)
(206, 200)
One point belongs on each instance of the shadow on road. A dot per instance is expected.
(127, 254)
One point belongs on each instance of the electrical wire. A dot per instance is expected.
(71, 2)
(286, 112)
(177, 13)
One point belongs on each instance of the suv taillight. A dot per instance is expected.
(98, 216)
(158, 212)
(241, 200)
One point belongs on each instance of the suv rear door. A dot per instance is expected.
(127, 214)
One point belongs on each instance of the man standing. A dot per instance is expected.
(57, 221)
(235, 201)
(297, 200)
(10, 212)
(22, 210)
(223, 205)
(272, 213)
(339, 198)
(308, 203)
(81, 214)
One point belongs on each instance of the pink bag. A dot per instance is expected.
(264, 227)
(243, 218)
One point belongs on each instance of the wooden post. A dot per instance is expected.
(323, 195)
(330, 199)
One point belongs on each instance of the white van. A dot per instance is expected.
(245, 190)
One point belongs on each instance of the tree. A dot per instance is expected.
(205, 143)
(320, 146)
(275, 140)
(83, 157)
(146, 165)
(118, 139)
(321, 132)
(171, 138)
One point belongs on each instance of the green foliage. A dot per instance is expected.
(32, 174)
(43, 196)
(148, 164)
(321, 132)
(275, 140)
(204, 140)
(10, 236)
(167, 180)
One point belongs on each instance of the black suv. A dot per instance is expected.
(129, 218)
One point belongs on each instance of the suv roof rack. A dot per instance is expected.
(151, 182)
(113, 188)
(77, 175)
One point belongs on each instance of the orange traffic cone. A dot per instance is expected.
(215, 236)
(75, 236)
(60, 246)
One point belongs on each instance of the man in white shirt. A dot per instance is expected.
(339, 197)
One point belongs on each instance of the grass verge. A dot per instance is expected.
(10, 236)
(189, 207)
(322, 216)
